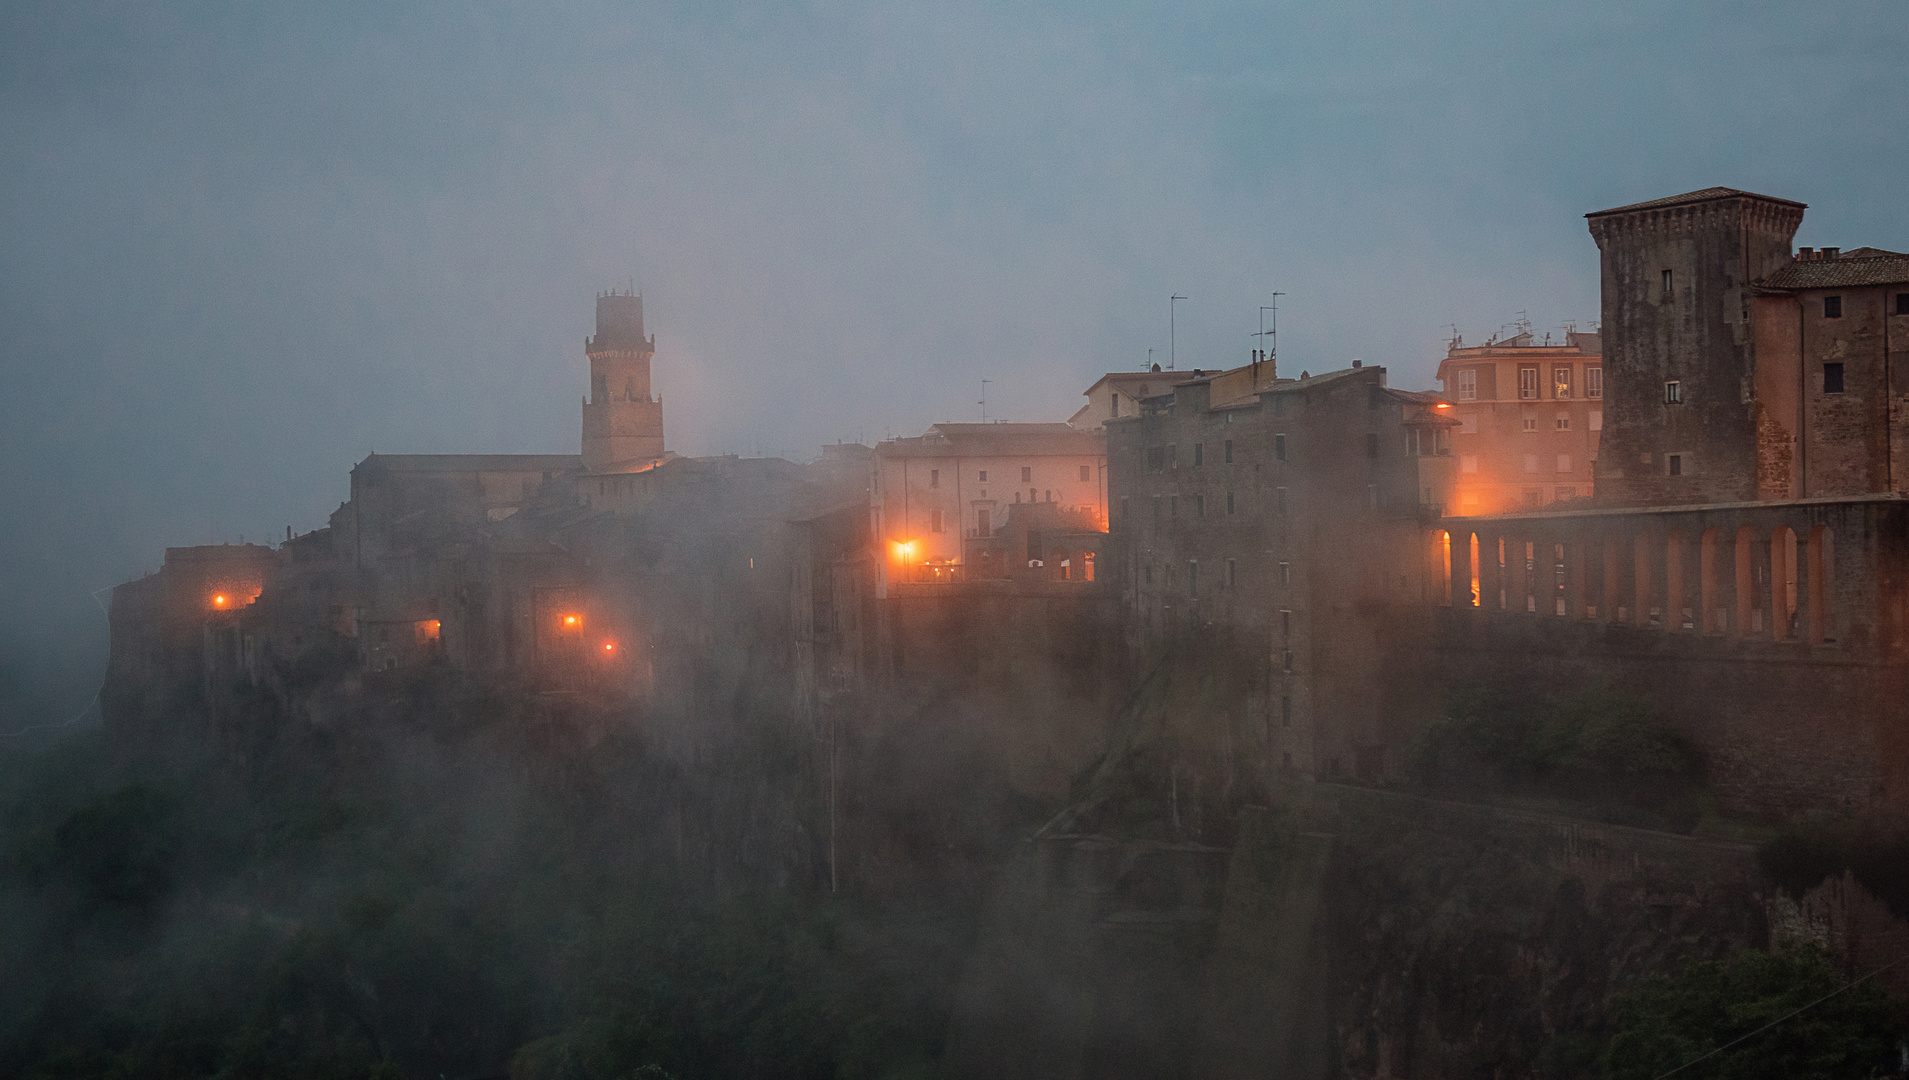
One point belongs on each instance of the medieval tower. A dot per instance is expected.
(1680, 416)
(622, 423)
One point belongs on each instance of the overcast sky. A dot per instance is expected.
(243, 245)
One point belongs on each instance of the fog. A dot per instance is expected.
(242, 248)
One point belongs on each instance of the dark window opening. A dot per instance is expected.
(1833, 378)
(1229, 442)
(1279, 447)
(1199, 454)
(1669, 287)
(1027, 473)
(1832, 307)
(1674, 464)
(1229, 504)
(1673, 392)
(1286, 719)
(1902, 303)
(1199, 506)
(1156, 459)
(934, 478)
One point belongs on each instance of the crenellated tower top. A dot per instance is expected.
(622, 422)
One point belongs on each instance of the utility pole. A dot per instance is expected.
(1173, 350)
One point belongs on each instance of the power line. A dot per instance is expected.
(1786, 1016)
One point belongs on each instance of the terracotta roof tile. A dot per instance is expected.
(1841, 273)
(1706, 195)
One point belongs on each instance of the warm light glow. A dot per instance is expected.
(219, 600)
(905, 548)
(572, 621)
(1442, 405)
(609, 646)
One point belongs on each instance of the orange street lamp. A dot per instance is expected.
(219, 600)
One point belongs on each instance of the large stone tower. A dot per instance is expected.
(622, 424)
(1680, 395)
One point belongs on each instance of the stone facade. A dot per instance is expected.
(622, 422)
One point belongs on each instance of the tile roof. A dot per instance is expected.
(1706, 195)
(474, 462)
(1884, 268)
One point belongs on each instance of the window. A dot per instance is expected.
(1669, 285)
(1288, 658)
(1232, 573)
(1086, 473)
(1441, 441)
(934, 480)
(1594, 382)
(1113, 402)
(1229, 443)
(1027, 473)
(1527, 383)
(1199, 454)
(1597, 419)
(1531, 463)
(1156, 459)
(1285, 622)
(1199, 506)
(1193, 577)
(1561, 382)
(1902, 303)
(1279, 500)
(1468, 463)
(1468, 423)
(1285, 574)
(1567, 493)
(1564, 421)
(1833, 378)
(1031, 498)
(1466, 384)
(1531, 423)
(1279, 447)
(1564, 462)
(1832, 307)
(984, 472)
(1286, 720)
(1673, 392)
(934, 521)
(982, 525)
(1674, 464)
(1534, 497)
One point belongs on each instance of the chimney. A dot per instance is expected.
(1831, 253)
(1358, 363)
(1805, 254)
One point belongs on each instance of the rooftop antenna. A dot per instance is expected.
(984, 399)
(1173, 339)
(1454, 341)
(1149, 359)
(1268, 338)
(1523, 324)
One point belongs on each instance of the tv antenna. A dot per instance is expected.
(1268, 338)
(984, 399)
(1173, 339)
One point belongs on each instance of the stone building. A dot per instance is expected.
(622, 422)
(1275, 539)
(933, 494)
(1529, 416)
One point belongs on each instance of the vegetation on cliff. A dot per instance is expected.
(505, 893)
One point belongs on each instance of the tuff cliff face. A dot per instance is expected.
(1361, 933)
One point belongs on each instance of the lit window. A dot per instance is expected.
(1673, 392)
(1468, 463)
(1594, 382)
(1561, 381)
(1467, 384)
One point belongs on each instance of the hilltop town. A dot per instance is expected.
(1213, 609)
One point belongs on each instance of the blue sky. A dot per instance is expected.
(242, 246)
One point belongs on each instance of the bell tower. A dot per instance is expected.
(622, 423)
